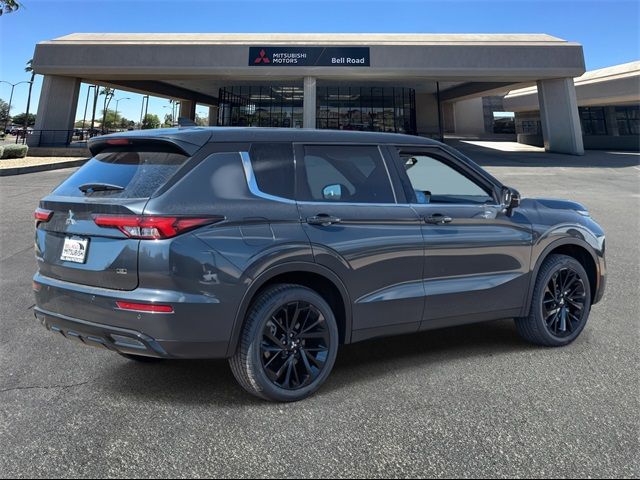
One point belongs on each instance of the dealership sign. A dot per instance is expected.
(309, 56)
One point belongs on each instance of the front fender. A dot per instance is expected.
(567, 234)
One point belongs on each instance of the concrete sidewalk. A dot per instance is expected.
(496, 153)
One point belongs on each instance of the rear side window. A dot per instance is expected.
(123, 173)
(344, 173)
(272, 164)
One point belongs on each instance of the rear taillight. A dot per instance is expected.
(152, 227)
(42, 215)
(144, 307)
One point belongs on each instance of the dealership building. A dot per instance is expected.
(608, 107)
(420, 84)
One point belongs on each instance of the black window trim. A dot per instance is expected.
(448, 159)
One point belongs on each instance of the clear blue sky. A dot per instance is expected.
(608, 29)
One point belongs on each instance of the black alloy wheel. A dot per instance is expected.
(288, 344)
(295, 345)
(560, 304)
(563, 303)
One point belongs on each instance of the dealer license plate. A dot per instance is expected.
(74, 249)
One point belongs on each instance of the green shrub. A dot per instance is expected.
(1, 150)
(14, 151)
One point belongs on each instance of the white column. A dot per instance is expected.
(56, 111)
(187, 109)
(559, 116)
(309, 105)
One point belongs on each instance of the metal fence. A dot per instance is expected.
(58, 138)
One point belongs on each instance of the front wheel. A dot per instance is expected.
(560, 304)
(288, 345)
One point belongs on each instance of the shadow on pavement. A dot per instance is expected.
(493, 157)
(210, 382)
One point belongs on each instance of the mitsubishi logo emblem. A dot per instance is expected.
(70, 219)
(262, 58)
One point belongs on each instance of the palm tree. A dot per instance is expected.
(8, 6)
(29, 69)
(108, 95)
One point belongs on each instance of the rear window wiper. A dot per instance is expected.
(99, 187)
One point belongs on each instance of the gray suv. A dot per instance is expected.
(271, 247)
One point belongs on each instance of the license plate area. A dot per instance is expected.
(74, 249)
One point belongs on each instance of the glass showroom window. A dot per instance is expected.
(260, 106)
(628, 119)
(378, 109)
(592, 120)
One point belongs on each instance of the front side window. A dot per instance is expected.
(349, 173)
(434, 181)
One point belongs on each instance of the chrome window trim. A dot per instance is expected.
(253, 184)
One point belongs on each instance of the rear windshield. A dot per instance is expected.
(120, 173)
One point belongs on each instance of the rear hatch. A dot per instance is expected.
(74, 243)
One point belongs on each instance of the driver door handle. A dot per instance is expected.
(438, 219)
(322, 219)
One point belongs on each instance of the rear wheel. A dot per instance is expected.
(560, 305)
(288, 345)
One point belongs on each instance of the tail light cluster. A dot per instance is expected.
(42, 215)
(147, 227)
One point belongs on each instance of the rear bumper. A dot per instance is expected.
(102, 336)
(199, 327)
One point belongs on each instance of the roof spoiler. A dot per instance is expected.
(187, 142)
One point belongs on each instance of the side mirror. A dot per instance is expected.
(510, 199)
(332, 192)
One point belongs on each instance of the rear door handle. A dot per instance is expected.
(323, 220)
(438, 219)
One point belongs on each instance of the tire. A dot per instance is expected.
(140, 358)
(560, 304)
(282, 360)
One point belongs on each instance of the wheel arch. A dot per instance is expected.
(316, 277)
(572, 247)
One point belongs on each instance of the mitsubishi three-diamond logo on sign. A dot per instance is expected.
(262, 57)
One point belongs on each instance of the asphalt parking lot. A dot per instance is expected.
(470, 401)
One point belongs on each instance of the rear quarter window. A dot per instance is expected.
(140, 172)
(273, 166)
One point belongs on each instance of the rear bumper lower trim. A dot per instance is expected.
(103, 336)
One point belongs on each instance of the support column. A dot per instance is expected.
(187, 109)
(559, 116)
(309, 103)
(56, 111)
(213, 116)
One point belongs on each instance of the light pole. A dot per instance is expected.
(116, 115)
(86, 104)
(145, 100)
(13, 85)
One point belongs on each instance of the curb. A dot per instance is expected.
(5, 172)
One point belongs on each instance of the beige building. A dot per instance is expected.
(608, 105)
(409, 83)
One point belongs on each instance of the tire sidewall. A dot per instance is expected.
(262, 315)
(558, 263)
